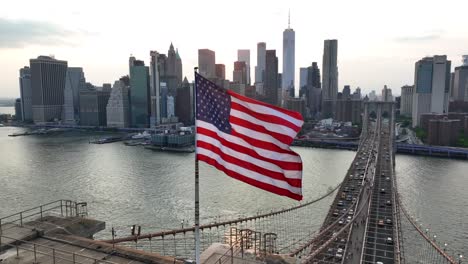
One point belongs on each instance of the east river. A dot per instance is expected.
(130, 185)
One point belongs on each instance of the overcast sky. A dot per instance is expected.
(378, 41)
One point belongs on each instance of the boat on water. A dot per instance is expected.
(106, 140)
(189, 149)
(143, 135)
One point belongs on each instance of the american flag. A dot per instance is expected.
(247, 139)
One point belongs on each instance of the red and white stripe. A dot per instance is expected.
(257, 150)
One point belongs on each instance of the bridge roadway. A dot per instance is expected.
(366, 234)
(352, 202)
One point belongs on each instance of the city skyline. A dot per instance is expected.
(385, 49)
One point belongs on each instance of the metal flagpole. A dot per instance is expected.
(197, 195)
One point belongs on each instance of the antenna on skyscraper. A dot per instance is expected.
(289, 18)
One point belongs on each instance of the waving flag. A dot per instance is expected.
(247, 139)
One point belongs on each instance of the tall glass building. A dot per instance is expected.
(140, 105)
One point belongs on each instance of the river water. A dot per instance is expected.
(131, 185)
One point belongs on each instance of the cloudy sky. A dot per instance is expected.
(378, 41)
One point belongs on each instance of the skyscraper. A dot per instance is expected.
(346, 92)
(74, 82)
(93, 106)
(260, 68)
(140, 104)
(48, 84)
(244, 55)
(460, 83)
(288, 73)
(183, 105)
(26, 94)
(155, 118)
(432, 84)
(387, 94)
(173, 74)
(220, 71)
(406, 100)
(313, 90)
(329, 77)
(239, 75)
(302, 77)
(118, 107)
(18, 110)
(271, 77)
(206, 63)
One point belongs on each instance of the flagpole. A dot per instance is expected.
(197, 188)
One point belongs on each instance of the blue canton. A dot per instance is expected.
(213, 104)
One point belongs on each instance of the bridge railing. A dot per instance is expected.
(59, 207)
(53, 255)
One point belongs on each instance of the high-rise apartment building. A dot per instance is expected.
(432, 84)
(244, 55)
(26, 94)
(271, 77)
(206, 63)
(406, 105)
(260, 68)
(74, 82)
(140, 104)
(48, 85)
(329, 77)
(288, 74)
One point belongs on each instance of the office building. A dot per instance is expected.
(387, 94)
(220, 71)
(206, 63)
(271, 78)
(174, 66)
(432, 83)
(183, 103)
(26, 94)
(237, 87)
(244, 55)
(118, 106)
(239, 75)
(140, 104)
(460, 84)
(260, 68)
(155, 104)
(302, 77)
(288, 74)
(74, 82)
(349, 110)
(406, 107)
(48, 85)
(346, 92)
(296, 104)
(329, 77)
(443, 132)
(93, 103)
(18, 110)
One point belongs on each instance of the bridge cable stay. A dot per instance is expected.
(291, 225)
